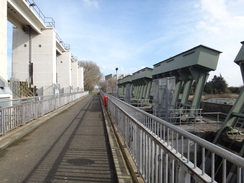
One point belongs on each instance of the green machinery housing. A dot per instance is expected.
(125, 88)
(190, 70)
(141, 81)
(135, 88)
(167, 87)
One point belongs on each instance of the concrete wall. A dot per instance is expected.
(5, 92)
(40, 49)
(44, 58)
(64, 69)
(3, 38)
(20, 55)
(213, 107)
(74, 75)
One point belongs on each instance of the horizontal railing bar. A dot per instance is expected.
(13, 116)
(234, 158)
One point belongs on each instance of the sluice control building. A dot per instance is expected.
(39, 56)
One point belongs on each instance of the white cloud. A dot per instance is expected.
(218, 16)
(215, 10)
(90, 3)
(132, 34)
(221, 27)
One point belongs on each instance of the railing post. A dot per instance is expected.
(175, 164)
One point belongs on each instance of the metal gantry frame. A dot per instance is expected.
(190, 68)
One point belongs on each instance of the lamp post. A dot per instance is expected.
(116, 69)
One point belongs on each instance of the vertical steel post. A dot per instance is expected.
(116, 69)
(186, 92)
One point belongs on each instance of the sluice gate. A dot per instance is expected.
(190, 70)
(141, 81)
(165, 90)
(125, 88)
(177, 85)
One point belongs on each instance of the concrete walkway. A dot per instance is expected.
(72, 146)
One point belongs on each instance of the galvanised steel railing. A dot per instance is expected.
(48, 21)
(16, 115)
(165, 153)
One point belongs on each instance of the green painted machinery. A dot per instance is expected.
(141, 81)
(190, 68)
(234, 120)
(125, 88)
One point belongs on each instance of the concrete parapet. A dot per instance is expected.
(214, 107)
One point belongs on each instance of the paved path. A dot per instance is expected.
(70, 147)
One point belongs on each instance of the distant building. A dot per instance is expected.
(120, 76)
(111, 82)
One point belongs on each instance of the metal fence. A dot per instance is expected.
(22, 111)
(48, 21)
(165, 153)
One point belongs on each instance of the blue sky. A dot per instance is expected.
(132, 34)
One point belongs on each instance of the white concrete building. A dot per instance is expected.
(64, 71)
(74, 75)
(34, 58)
(5, 92)
(39, 56)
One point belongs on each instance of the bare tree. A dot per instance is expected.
(103, 85)
(92, 74)
(108, 85)
(111, 87)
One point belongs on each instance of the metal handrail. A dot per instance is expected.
(171, 139)
(65, 46)
(19, 101)
(16, 115)
(36, 9)
(48, 21)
